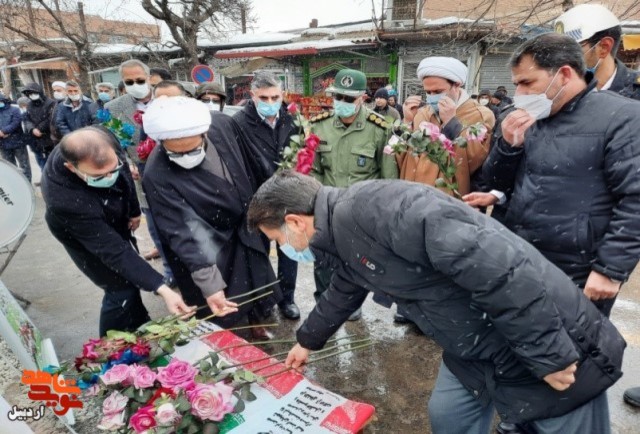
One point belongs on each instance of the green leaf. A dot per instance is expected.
(143, 395)
(193, 429)
(166, 345)
(204, 366)
(129, 392)
(182, 342)
(210, 428)
(117, 334)
(155, 329)
(295, 139)
(239, 407)
(441, 183)
(186, 421)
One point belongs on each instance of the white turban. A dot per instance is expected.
(59, 84)
(445, 67)
(175, 117)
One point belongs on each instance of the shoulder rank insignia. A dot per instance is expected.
(377, 120)
(320, 117)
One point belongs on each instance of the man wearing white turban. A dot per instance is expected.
(199, 181)
(451, 109)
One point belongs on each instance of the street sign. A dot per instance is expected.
(202, 74)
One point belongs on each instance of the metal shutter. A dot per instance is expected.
(495, 72)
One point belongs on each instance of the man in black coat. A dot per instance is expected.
(572, 172)
(92, 210)
(199, 180)
(269, 128)
(38, 121)
(516, 333)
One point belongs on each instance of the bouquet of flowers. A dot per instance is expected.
(122, 130)
(428, 140)
(300, 153)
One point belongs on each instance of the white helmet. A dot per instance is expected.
(584, 21)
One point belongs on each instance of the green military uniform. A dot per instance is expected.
(351, 153)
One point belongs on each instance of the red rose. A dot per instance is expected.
(312, 141)
(145, 147)
(137, 117)
(292, 108)
(304, 162)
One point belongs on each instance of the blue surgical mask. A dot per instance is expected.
(344, 109)
(104, 181)
(269, 110)
(304, 256)
(433, 100)
(104, 96)
(593, 69)
(2, 105)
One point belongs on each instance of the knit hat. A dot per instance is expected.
(445, 67)
(59, 84)
(176, 117)
(485, 92)
(382, 93)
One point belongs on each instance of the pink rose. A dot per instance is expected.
(118, 374)
(177, 375)
(166, 414)
(143, 419)
(431, 129)
(114, 403)
(143, 377)
(312, 141)
(388, 150)
(137, 117)
(304, 162)
(89, 349)
(292, 108)
(211, 401)
(112, 422)
(394, 140)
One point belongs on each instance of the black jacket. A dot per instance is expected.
(92, 225)
(575, 185)
(626, 82)
(267, 143)
(504, 315)
(39, 115)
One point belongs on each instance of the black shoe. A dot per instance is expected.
(290, 311)
(401, 319)
(509, 428)
(632, 396)
(355, 316)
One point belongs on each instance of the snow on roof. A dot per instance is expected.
(451, 20)
(353, 28)
(248, 39)
(323, 44)
(132, 48)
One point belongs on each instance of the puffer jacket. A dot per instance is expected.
(39, 116)
(504, 315)
(575, 185)
(11, 125)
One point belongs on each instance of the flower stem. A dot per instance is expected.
(240, 304)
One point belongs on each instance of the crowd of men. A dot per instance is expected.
(518, 299)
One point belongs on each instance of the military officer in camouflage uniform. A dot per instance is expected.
(352, 139)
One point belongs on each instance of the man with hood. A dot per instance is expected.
(38, 121)
(12, 147)
(199, 180)
(382, 107)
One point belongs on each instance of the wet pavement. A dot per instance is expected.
(396, 375)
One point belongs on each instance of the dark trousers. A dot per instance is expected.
(287, 274)
(122, 310)
(19, 156)
(322, 276)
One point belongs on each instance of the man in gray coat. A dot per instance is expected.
(517, 335)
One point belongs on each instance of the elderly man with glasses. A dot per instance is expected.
(352, 139)
(92, 210)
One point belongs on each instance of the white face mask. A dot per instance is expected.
(75, 97)
(58, 95)
(214, 107)
(538, 105)
(34, 97)
(484, 101)
(138, 91)
(188, 161)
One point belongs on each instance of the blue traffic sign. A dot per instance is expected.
(202, 74)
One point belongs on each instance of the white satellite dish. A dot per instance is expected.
(17, 203)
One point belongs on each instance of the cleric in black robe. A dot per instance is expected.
(199, 181)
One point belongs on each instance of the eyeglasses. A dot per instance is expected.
(192, 152)
(136, 81)
(345, 98)
(100, 177)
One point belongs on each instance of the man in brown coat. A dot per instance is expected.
(453, 111)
